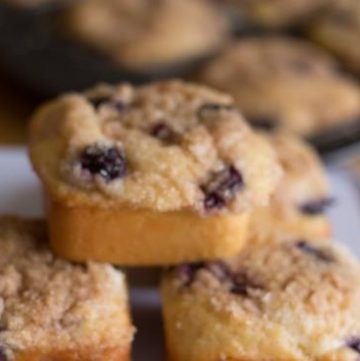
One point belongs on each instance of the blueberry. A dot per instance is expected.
(265, 123)
(118, 104)
(214, 107)
(354, 344)
(163, 132)
(242, 283)
(214, 201)
(3, 356)
(315, 251)
(316, 207)
(222, 187)
(188, 271)
(99, 100)
(107, 162)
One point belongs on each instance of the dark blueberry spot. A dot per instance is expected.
(354, 344)
(3, 356)
(222, 187)
(163, 132)
(119, 105)
(316, 207)
(99, 100)
(214, 107)
(214, 201)
(188, 271)
(264, 123)
(109, 163)
(242, 283)
(315, 251)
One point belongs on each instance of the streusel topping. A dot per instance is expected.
(50, 304)
(165, 146)
(303, 296)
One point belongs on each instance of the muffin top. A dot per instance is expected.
(290, 301)
(165, 146)
(297, 87)
(142, 34)
(50, 304)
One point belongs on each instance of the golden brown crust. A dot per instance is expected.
(88, 354)
(141, 237)
(52, 309)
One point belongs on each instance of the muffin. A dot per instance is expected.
(295, 301)
(338, 30)
(129, 171)
(148, 35)
(51, 309)
(297, 88)
(301, 198)
(277, 14)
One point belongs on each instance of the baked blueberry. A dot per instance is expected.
(107, 162)
(222, 187)
(315, 251)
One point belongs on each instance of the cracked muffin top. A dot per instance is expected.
(289, 301)
(50, 304)
(147, 34)
(278, 81)
(166, 146)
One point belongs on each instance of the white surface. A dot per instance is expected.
(20, 194)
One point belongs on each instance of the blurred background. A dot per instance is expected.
(288, 63)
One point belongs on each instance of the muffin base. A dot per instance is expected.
(142, 237)
(109, 354)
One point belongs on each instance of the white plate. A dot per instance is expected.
(20, 194)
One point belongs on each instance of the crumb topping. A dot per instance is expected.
(50, 304)
(165, 146)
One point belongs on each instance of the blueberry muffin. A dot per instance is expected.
(276, 14)
(54, 310)
(154, 174)
(285, 82)
(338, 29)
(301, 198)
(293, 301)
(147, 35)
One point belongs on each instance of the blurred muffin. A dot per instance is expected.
(301, 198)
(284, 82)
(143, 35)
(277, 13)
(338, 30)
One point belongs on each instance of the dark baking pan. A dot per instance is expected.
(34, 53)
(338, 137)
